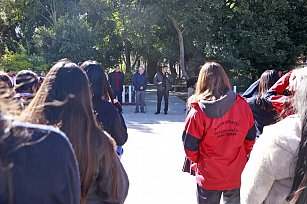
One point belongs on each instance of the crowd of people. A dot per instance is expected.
(62, 135)
(248, 149)
(64, 145)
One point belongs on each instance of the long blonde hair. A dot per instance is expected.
(212, 82)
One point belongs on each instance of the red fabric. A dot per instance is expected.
(223, 149)
(278, 101)
(117, 80)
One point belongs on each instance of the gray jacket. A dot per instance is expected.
(158, 81)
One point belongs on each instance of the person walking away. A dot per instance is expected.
(163, 80)
(37, 162)
(106, 113)
(276, 171)
(264, 114)
(116, 79)
(218, 137)
(139, 81)
(65, 101)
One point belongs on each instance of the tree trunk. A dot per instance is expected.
(181, 46)
(128, 56)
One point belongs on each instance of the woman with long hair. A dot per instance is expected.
(106, 113)
(218, 136)
(37, 163)
(277, 169)
(264, 114)
(64, 101)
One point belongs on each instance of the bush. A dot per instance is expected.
(21, 61)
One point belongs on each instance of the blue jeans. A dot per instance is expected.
(140, 100)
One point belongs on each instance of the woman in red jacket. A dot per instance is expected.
(218, 137)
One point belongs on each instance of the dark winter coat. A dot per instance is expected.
(112, 80)
(111, 120)
(158, 81)
(44, 171)
(139, 80)
(263, 114)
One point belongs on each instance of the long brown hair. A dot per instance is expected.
(212, 82)
(267, 80)
(64, 100)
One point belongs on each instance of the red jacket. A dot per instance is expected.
(276, 96)
(218, 137)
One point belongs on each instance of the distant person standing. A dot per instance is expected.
(163, 80)
(116, 79)
(139, 81)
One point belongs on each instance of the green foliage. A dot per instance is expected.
(67, 38)
(247, 37)
(20, 61)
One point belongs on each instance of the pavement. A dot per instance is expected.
(153, 156)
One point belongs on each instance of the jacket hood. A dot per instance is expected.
(218, 108)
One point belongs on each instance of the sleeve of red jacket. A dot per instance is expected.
(275, 96)
(192, 135)
(251, 134)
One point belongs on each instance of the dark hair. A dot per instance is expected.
(298, 194)
(6, 79)
(25, 80)
(64, 100)
(98, 81)
(267, 80)
(96, 76)
(212, 82)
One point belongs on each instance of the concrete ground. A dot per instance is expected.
(154, 155)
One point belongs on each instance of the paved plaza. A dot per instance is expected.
(154, 155)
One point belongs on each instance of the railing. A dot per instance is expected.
(128, 94)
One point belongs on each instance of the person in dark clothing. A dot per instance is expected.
(252, 90)
(163, 80)
(263, 113)
(37, 164)
(65, 101)
(106, 113)
(116, 79)
(139, 81)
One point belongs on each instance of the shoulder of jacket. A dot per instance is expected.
(285, 134)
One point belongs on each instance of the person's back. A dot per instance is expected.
(43, 168)
(268, 176)
(276, 171)
(227, 123)
(264, 114)
(218, 137)
(64, 100)
(111, 120)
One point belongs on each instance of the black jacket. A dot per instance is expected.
(112, 80)
(262, 116)
(111, 120)
(44, 171)
(158, 81)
